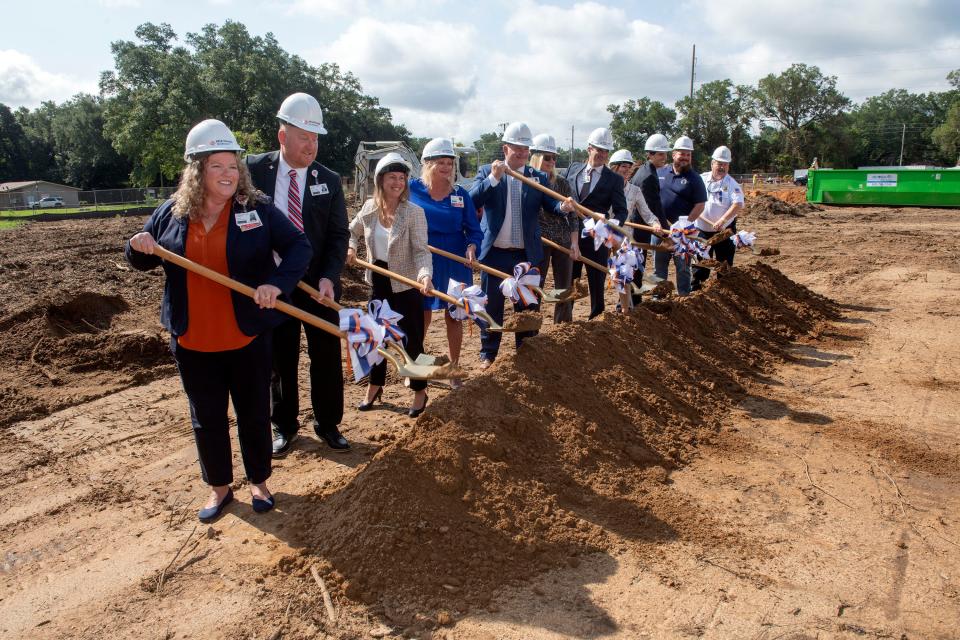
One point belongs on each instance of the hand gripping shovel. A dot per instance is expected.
(527, 322)
(423, 362)
(418, 373)
(647, 277)
(548, 295)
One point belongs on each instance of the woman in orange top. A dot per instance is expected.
(221, 339)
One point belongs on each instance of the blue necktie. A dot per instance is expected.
(516, 229)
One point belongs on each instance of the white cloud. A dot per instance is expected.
(412, 66)
(23, 83)
(120, 4)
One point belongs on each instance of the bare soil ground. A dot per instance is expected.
(763, 460)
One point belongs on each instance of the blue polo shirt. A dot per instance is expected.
(680, 192)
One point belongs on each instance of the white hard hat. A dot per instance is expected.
(601, 138)
(623, 155)
(438, 148)
(722, 154)
(518, 133)
(683, 143)
(210, 136)
(544, 143)
(388, 160)
(302, 111)
(657, 143)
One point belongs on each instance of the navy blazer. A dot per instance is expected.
(607, 194)
(324, 215)
(249, 260)
(649, 182)
(494, 203)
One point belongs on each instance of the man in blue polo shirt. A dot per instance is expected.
(682, 193)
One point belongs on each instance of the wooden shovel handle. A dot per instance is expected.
(405, 280)
(657, 231)
(230, 283)
(586, 261)
(462, 260)
(324, 300)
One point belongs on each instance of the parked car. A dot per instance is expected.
(46, 203)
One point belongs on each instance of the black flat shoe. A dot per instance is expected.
(366, 406)
(209, 514)
(413, 413)
(262, 506)
(333, 438)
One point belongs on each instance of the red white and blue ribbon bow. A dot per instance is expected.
(744, 239)
(601, 233)
(623, 265)
(517, 287)
(473, 299)
(366, 332)
(684, 245)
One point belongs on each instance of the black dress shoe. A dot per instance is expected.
(366, 406)
(282, 444)
(262, 506)
(209, 514)
(333, 438)
(413, 413)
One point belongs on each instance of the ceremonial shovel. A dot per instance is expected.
(549, 295)
(523, 325)
(417, 372)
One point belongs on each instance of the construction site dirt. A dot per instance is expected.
(776, 456)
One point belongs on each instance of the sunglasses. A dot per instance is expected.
(548, 158)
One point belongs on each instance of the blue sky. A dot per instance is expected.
(457, 68)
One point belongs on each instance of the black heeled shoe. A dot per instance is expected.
(413, 413)
(366, 406)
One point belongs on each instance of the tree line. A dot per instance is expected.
(132, 132)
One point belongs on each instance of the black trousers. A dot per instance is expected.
(562, 268)
(596, 279)
(409, 304)
(326, 370)
(210, 379)
(722, 251)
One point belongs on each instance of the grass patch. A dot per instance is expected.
(66, 211)
(11, 224)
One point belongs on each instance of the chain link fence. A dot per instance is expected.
(25, 203)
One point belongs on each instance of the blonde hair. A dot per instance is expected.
(536, 160)
(378, 198)
(188, 198)
(428, 172)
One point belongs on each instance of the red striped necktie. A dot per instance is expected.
(293, 201)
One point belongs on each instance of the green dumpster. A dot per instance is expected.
(889, 187)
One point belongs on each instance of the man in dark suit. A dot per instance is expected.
(599, 189)
(312, 198)
(657, 148)
(510, 225)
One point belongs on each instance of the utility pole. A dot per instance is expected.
(571, 146)
(693, 67)
(903, 136)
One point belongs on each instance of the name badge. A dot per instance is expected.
(319, 189)
(247, 220)
(456, 201)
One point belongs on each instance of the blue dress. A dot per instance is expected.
(451, 225)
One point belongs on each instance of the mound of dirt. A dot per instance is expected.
(71, 348)
(561, 450)
(764, 206)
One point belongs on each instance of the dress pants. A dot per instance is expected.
(722, 251)
(409, 304)
(596, 279)
(562, 277)
(661, 262)
(503, 260)
(326, 370)
(210, 379)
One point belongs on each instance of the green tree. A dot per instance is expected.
(947, 135)
(881, 123)
(719, 113)
(798, 100)
(37, 126)
(489, 147)
(636, 120)
(13, 143)
(83, 156)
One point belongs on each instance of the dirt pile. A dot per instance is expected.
(562, 450)
(765, 206)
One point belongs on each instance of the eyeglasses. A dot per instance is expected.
(548, 158)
